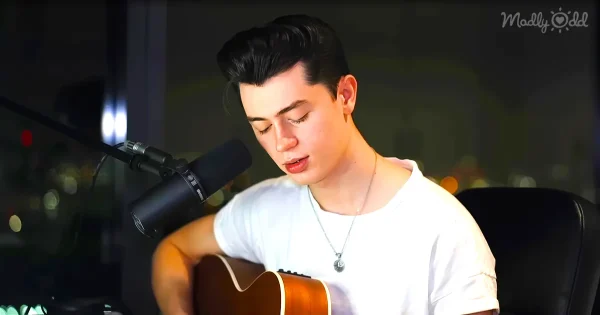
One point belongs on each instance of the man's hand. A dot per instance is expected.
(173, 262)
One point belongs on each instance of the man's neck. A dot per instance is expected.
(344, 190)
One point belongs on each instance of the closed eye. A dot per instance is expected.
(262, 132)
(294, 121)
(297, 121)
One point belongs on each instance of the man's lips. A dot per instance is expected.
(294, 160)
(296, 166)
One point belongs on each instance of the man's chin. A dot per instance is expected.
(302, 178)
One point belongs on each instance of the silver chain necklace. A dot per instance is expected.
(339, 264)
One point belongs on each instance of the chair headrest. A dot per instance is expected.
(546, 244)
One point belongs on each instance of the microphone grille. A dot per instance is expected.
(221, 165)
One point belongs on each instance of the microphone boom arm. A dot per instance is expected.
(181, 186)
(135, 162)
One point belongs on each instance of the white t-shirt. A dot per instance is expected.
(422, 253)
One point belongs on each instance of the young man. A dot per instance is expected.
(374, 228)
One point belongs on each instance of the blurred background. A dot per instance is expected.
(474, 102)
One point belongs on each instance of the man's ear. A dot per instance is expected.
(347, 89)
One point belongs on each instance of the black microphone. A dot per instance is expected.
(191, 186)
(151, 152)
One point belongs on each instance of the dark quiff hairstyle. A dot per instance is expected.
(255, 55)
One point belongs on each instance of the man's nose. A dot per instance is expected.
(285, 141)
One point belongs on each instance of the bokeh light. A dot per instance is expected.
(450, 183)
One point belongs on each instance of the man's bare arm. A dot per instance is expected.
(173, 263)
(490, 312)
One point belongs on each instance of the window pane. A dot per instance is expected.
(54, 62)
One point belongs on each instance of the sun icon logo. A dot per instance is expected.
(559, 20)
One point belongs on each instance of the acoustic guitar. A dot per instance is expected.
(224, 285)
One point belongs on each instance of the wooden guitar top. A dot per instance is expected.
(224, 285)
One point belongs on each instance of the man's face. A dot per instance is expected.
(294, 121)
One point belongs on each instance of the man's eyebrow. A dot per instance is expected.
(288, 108)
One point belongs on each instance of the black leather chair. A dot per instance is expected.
(547, 248)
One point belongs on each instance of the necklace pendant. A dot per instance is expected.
(339, 264)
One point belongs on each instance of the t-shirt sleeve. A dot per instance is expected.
(235, 230)
(463, 277)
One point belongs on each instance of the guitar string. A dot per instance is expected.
(358, 210)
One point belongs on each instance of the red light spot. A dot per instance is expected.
(26, 138)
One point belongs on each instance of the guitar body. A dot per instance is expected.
(224, 285)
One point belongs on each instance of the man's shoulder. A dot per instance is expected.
(456, 233)
(439, 199)
(427, 197)
(436, 208)
(423, 190)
